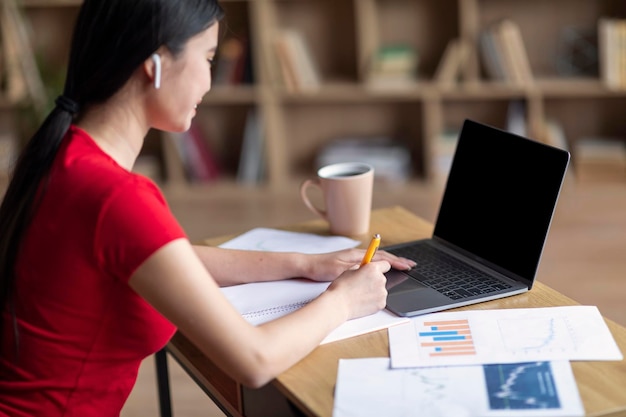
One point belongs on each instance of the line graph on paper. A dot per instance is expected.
(537, 335)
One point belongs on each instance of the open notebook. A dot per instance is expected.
(261, 302)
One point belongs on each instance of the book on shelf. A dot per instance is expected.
(516, 51)
(8, 153)
(13, 82)
(452, 61)
(444, 146)
(491, 59)
(504, 54)
(393, 66)
(612, 52)
(286, 64)
(198, 160)
(251, 160)
(516, 118)
(22, 79)
(202, 160)
(233, 64)
(297, 66)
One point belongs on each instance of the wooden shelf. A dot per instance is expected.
(342, 36)
(577, 88)
(485, 90)
(225, 95)
(50, 3)
(354, 93)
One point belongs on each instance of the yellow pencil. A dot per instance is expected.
(371, 249)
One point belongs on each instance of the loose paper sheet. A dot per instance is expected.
(369, 387)
(503, 336)
(274, 240)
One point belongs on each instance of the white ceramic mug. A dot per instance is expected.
(347, 194)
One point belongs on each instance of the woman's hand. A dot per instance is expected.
(328, 266)
(363, 289)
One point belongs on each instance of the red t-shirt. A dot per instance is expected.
(83, 331)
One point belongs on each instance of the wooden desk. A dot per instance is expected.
(310, 383)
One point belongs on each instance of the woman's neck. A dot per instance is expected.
(117, 127)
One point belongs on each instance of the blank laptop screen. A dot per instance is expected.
(500, 197)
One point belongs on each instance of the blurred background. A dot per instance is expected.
(301, 83)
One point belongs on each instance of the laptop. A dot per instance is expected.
(491, 228)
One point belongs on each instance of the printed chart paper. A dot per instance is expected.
(369, 387)
(502, 336)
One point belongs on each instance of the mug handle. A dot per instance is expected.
(303, 193)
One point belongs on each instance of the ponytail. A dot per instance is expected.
(25, 191)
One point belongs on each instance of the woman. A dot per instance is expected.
(95, 272)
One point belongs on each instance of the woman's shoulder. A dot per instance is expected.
(83, 159)
(84, 171)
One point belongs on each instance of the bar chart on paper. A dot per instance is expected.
(446, 338)
(502, 336)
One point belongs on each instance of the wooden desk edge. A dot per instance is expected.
(223, 390)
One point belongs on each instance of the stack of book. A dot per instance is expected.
(393, 66)
(504, 55)
(612, 52)
(603, 157)
(391, 160)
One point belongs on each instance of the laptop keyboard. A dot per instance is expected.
(445, 274)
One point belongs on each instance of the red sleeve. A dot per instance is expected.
(135, 222)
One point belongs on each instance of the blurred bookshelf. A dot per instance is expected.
(407, 70)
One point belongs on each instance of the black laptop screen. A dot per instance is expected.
(500, 197)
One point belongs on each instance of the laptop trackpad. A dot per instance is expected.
(408, 295)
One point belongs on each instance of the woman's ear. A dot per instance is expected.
(156, 58)
(153, 69)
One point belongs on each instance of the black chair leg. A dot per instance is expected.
(163, 383)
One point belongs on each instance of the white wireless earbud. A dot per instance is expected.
(157, 70)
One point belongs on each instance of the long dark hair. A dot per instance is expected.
(111, 39)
